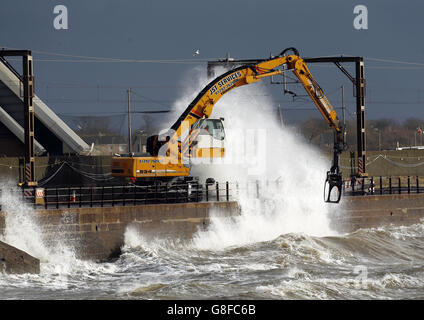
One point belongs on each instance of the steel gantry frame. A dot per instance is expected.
(358, 82)
(360, 85)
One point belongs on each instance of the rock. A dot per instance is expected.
(13, 260)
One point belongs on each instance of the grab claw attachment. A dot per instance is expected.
(333, 187)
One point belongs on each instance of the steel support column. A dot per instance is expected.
(28, 109)
(360, 115)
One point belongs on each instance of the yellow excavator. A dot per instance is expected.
(171, 152)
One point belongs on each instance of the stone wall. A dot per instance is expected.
(13, 260)
(11, 169)
(377, 211)
(98, 233)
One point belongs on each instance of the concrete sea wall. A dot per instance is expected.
(98, 233)
(13, 260)
(378, 210)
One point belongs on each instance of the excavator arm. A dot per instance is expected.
(202, 106)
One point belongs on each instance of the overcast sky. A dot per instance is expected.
(245, 28)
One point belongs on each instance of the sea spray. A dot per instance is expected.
(262, 153)
(259, 150)
(21, 228)
(24, 231)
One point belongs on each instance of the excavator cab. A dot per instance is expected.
(208, 137)
(211, 127)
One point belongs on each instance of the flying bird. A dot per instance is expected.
(196, 52)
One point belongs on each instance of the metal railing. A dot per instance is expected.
(383, 185)
(125, 195)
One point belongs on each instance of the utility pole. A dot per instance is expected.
(379, 136)
(281, 115)
(129, 121)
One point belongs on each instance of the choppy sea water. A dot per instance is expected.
(238, 258)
